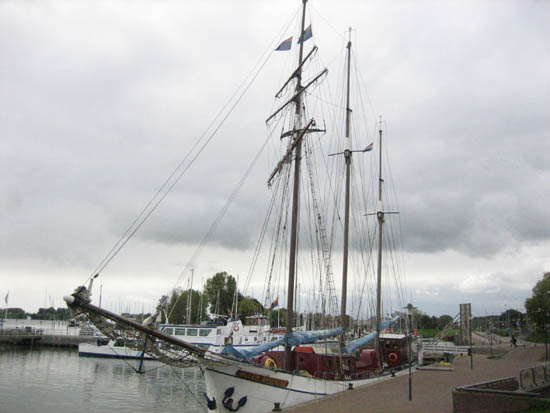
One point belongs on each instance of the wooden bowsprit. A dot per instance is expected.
(167, 349)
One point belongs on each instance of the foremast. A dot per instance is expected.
(295, 194)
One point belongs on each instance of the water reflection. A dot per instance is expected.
(57, 380)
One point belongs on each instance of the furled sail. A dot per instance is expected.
(363, 341)
(296, 339)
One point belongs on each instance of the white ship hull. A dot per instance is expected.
(264, 387)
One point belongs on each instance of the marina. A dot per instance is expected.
(301, 207)
(54, 380)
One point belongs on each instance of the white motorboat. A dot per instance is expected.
(118, 349)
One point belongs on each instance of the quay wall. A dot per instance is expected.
(64, 340)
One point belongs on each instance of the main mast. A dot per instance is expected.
(347, 157)
(295, 195)
(380, 216)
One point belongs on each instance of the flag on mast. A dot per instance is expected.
(285, 45)
(307, 34)
(368, 148)
(274, 304)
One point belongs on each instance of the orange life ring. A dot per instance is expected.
(387, 331)
(235, 327)
(414, 332)
(393, 357)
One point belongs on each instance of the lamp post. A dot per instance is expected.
(545, 320)
(545, 340)
(491, 336)
(409, 310)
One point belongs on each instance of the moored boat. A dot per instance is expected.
(117, 349)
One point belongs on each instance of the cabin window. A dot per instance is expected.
(119, 342)
(203, 332)
(219, 332)
(180, 331)
(255, 338)
(168, 330)
(191, 331)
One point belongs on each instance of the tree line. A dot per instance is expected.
(220, 297)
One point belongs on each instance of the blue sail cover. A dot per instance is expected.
(295, 339)
(360, 342)
(388, 323)
(363, 341)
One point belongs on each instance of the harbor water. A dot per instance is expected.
(52, 380)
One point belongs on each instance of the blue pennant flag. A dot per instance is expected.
(285, 45)
(368, 148)
(307, 34)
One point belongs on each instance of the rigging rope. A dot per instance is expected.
(174, 177)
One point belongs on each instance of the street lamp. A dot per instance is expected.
(540, 310)
(409, 314)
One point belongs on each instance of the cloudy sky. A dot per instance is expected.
(100, 101)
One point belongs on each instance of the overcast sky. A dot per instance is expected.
(99, 102)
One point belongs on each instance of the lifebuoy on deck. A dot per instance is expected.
(414, 332)
(235, 327)
(393, 357)
(270, 363)
(387, 331)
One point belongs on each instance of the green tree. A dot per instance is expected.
(443, 321)
(63, 313)
(176, 307)
(220, 288)
(538, 306)
(16, 313)
(45, 314)
(249, 306)
(278, 317)
(427, 322)
(512, 318)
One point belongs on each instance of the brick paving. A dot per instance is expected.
(431, 390)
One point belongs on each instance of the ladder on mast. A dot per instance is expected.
(325, 250)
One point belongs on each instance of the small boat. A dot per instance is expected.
(117, 349)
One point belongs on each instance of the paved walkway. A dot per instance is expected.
(431, 390)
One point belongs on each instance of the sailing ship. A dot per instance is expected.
(290, 370)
